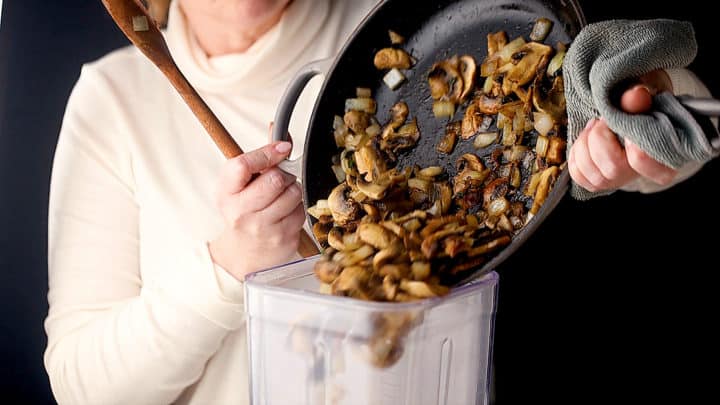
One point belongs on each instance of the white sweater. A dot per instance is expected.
(138, 313)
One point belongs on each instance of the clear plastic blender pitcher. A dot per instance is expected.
(307, 348)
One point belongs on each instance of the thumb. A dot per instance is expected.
(242, 169)
(636, 100)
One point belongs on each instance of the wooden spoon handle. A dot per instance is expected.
(207, 118)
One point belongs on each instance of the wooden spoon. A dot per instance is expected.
(140, 29)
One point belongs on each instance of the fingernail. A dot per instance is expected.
(645, 87)
(283, 147)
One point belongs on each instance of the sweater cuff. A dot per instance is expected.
(197, 284)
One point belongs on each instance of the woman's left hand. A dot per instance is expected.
(597, 161)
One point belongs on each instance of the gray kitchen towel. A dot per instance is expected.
(607, 54)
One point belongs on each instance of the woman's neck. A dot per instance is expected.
(220, 32)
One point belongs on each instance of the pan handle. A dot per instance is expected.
(708, 107)
(287, 104)
(292, 93)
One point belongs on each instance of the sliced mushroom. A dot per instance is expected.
(376, 235)
(320, 231)
(495, 42)
(489, 105)
(351, 258)
(405, 137)
(552, 102)
(467, 70)
(447, 142)
(399, 113)
(344, 210)
(327, 271)
(497, 188)
(370, 164)
(352, 282)
(385, 257)
(397, 271)
(469, 161)
(389, 287)
(489, 246)
(442, 197)
(556, 150)
(430, 245)
(472, 120)
(388, 58)
(357, 121)
(529, 58)
(335, 239)
(422, 289)
(445, 80)
(547, 179)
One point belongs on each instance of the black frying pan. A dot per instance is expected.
(434, 30)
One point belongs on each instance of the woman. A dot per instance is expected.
(147, 253)
(145, 271)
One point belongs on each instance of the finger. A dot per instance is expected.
(648, 167)
(270, 135)
(576, 175)
(294, 220)
(259, 194)
(236, 175)
(609, 156)
(636, 100)
(283, 205)
(585, 164)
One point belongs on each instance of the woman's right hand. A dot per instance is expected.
(263, 216)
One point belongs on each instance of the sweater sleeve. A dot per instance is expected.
(114, 338)
(683, 82)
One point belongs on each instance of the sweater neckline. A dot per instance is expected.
(266, 62)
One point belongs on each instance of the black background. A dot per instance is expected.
(610, 301)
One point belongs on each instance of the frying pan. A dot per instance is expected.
(434, 30)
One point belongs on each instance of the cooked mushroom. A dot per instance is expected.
(405, 137)
(556, 150)
(376, 235)
(320, 231)
(489, 105)
(374, 190)
(384, 257)
(490, 246)
(547, 179)
(470, 161)
(327, 270)
(445, 80)
(552, 102)
(472, 120)
(344, 210)
(388, 58)
(370, 164)
(496, 41)
(357, 121)
(467, 70)
(335, 239)
(399, 113)
(497, 188)
(447, 142)
(530, 58)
